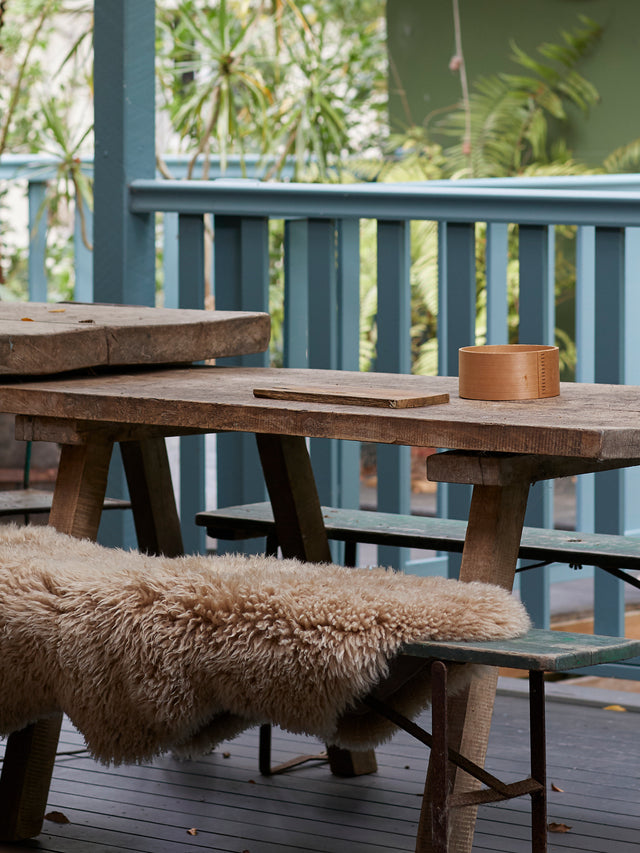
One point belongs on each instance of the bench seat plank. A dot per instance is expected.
(411, 531)
(21, 501)
(538, 650)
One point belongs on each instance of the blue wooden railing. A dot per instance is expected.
(322, 309)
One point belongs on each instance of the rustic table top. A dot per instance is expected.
(44, 338)
(586, 421)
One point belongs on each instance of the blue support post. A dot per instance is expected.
(124, 51)
(124, 244)
(37, 241)
(192, 447)
(241, 282)
(456, 328)
(537, 325)
(610, 368)
(394, 356)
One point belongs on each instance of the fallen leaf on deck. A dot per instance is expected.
(558, 827)
(57, 817)
(27, 319)
(614, 708)
(56, 310)
(192, 831)
(226, 755)
(556, 788)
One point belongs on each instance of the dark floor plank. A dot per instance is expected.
(592, 754)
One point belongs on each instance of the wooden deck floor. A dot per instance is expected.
(592, 755)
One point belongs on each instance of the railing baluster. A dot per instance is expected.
(37, 241)
(585, 366)
(241, 282)
(83, 257)
(295, 343)
(609, 367)
(497, 297)
(632, 365)
(192, 447)
(323, 339)
(456, 328)
(170, 251)
(348, 297)
(393, 355)
(537, 325)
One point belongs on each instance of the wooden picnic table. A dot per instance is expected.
(500, 447)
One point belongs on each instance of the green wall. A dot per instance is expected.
(421, 43)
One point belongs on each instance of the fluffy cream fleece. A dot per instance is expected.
(147, 654)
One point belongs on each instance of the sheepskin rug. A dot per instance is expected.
(149, 654)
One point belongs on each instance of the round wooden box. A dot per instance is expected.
(509, 372)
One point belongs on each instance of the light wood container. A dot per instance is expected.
(509, 372)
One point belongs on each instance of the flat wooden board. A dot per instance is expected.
(43, 338)
(384, 398)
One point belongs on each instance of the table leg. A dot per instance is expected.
(301, 533)
(146, 466)
(30, 754)
(490, 554)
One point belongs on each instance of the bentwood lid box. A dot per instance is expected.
(509, 372)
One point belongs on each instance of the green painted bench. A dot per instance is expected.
(612, 553)
(26, 502)
(538, 652)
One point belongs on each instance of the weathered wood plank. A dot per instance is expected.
(427, 533)
(586, 421)
(379, 397)
(36, 501)
(41, 338)
(72, 431)
(456, 466)
(547, 651)
(155, 514)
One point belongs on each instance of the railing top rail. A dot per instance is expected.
(452, 203)
(43, 167)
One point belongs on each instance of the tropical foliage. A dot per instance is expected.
(302, 87)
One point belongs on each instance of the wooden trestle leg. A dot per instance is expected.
(490, 553)
(77, 506)
(30, 754)
(300, 529)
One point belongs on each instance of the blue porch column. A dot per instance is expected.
(124, 242)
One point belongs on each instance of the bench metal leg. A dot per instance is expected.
(537, 730)
(439, 760)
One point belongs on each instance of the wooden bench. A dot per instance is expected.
(611, 553)
(26, 502)
(538, 652)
